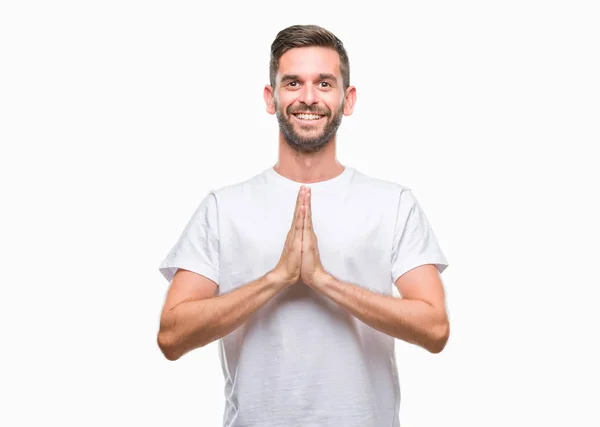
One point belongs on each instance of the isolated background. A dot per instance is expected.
(117, 118)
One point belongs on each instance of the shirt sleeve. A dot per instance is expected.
(197, 248)
(414, 241)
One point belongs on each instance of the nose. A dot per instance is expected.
(308, 95)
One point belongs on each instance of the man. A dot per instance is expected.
(293, 269)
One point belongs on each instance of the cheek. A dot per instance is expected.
(333, 103)
(283, 101)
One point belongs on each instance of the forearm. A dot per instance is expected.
(194, 324)
(412, 321)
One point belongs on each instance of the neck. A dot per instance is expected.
(308, 167)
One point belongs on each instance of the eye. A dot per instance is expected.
(292, 84)
(325, 84)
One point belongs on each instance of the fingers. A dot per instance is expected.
(298, 221)
(308, 215)
(307, 229)
(299, 198)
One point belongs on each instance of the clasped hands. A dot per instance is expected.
(300, 259)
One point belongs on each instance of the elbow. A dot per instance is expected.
(439, 338)
(167, 347)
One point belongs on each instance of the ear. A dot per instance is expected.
(349, 100)
(269, 96)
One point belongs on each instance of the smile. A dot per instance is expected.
(308, 117)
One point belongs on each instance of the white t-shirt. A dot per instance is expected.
(302, 360)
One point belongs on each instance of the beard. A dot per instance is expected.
(317, 139)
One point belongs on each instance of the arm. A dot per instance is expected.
(419, 317)
(193, 317)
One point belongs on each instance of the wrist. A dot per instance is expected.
(322, 280)
(277, 280)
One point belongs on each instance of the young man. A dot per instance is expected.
(293, 269)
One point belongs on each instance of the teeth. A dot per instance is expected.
(308, 116)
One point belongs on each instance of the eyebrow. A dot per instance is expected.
(288, 77)
(322, 76)
(327, 77)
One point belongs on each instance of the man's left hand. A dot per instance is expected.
(312, 272)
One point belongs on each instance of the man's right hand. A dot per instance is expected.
(287, 270)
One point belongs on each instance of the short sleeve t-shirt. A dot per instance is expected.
(301, 359)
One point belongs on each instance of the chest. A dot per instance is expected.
(354, 240)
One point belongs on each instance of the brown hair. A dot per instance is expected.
(305, 36)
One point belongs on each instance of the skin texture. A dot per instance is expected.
(308, 91)
(308, 80)
(302, 92)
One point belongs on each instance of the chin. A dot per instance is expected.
(306, 147)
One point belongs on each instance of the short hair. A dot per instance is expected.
(306, 36)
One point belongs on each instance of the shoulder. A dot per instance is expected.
(373, 185)
(240, 191)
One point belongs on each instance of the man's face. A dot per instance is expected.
(308, 98)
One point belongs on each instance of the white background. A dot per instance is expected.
(117, 117)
